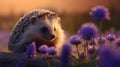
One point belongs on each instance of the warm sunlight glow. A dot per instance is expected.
(62, 5)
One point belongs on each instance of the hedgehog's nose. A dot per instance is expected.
(52, 36)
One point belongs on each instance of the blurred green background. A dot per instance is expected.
(73, 14)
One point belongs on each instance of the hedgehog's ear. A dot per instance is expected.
(59, 20)
(33, 19)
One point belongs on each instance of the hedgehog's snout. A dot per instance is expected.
(52, 36)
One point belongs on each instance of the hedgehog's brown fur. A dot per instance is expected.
(19, 40)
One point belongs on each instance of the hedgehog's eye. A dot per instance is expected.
(44, 29)
(54, 29)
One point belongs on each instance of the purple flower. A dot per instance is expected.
(75, 40)
(118, 33)
(111, 37)
(91, 50)
(82, 55)
(65, 55)
(88, 31)
(43, 49)
(109, 56)
(102, 40)
(52, 51)
(19, 63)
(117, 42)
(100, 13)
(31, 50)
(92, 42)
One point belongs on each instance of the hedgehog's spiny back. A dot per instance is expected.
(23, 23)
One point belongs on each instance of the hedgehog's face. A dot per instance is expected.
(46, 28)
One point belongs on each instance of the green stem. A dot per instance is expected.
(77, 51)
(47, 62)
(86, 47)
(100, 30)
(100, 27)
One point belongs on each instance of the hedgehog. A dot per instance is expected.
(40, 26)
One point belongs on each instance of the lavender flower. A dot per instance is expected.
(111, 37)
(75, 40)
(92, 42)
(43, 49)
(52, 51)
(117, 42)
(31, 50)
(109, 56)
(19, 63)
(88, 31)
(100, 13)
(82, 55)
(91, 50)
(65, 55)
(102, 40)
